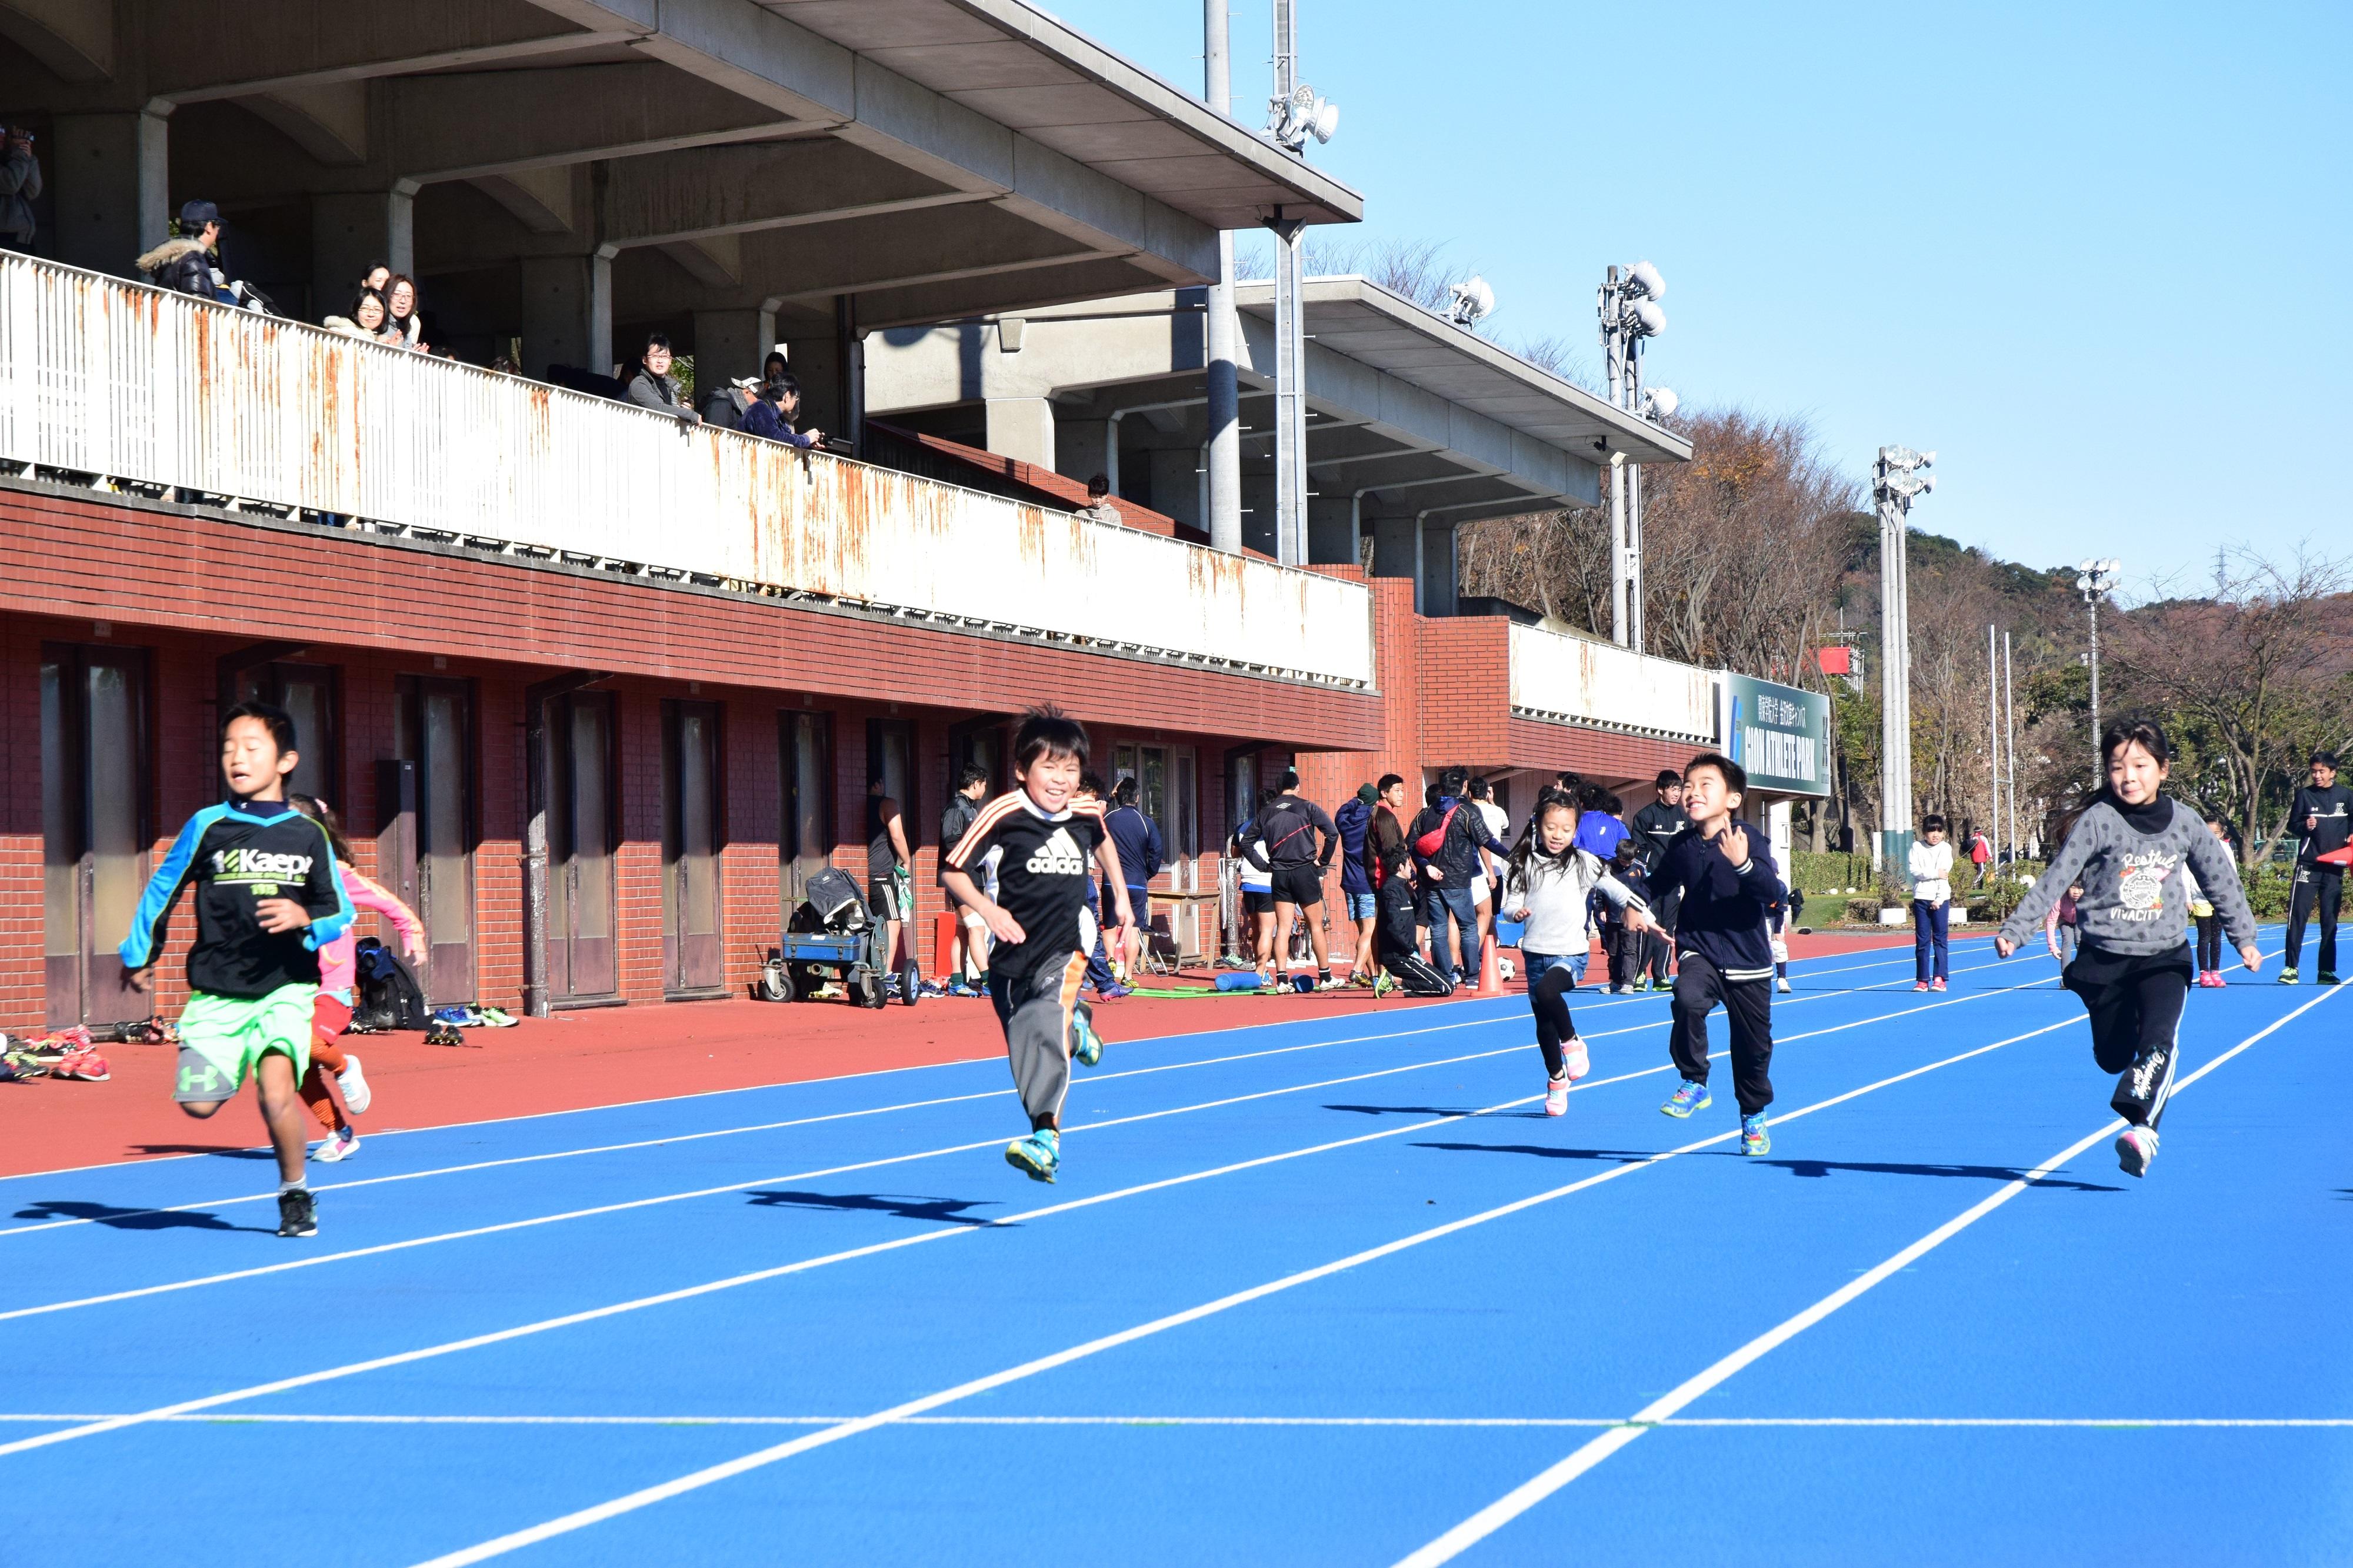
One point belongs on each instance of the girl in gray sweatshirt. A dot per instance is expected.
(2131, 852)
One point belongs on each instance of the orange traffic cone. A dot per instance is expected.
(1491, 974)
(944, 945)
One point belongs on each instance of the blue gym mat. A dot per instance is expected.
(1322, 1291)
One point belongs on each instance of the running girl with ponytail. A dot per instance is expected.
(2130, 851)
(1546, 883)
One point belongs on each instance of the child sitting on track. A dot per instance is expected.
(1044, 924)
(2126, 851)
(1722, 951)
(267, 900)
(1546, 883)
(331, 1013)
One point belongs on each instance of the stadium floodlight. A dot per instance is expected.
(2095, 580)
(1660, 403)
(1645, 319)
(1643, 282)
(1896, 481)
(1304, 113)
(1630, 315)
(1469, 302)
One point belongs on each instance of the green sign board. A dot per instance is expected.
(1780, 734)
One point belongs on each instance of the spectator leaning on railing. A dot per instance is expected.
(400, 309)
(186, 264)
(20, 184)
(772, 414)
(654, 388)
(366, 320)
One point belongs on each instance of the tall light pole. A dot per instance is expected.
(1993, 743)
(1629, 307)
(2095, 580)
(1297, 113)
(1897, 480)
(2010, 726)
(1225, 456)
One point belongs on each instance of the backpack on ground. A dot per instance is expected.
(389, 995)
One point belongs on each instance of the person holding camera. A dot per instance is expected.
(20, 185)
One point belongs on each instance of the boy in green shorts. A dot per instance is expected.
(267, 897)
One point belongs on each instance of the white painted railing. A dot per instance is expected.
(104, 377)
(1573, 679)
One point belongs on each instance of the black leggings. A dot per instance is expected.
(1548, 1000)
(2134, 1005)
(1394, 941)
(2210, 942)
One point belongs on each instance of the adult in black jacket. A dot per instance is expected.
(2321, 817)
(1730, 888)
(185, 264)
(1655, 827)
(1448, 867)
(1291, 838)
(1389, 866)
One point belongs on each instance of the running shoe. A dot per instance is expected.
(1755, 1136)
(441, 1032)
(1921, 985)
(83, 1063)
(1556, 1097)
(357, 1095)
(1573, 1060)
(495, 1017)
(1782, 983)
(2219, 979)
(2136, 1150)
(1086, 1046)
(1114, 991)
(2287, 977)
(1383, 984)
(337, 1146)
(1687, 1099)
(1937, 984)
(2326, 977)
(297, 1213)
(958, 988)
(1038, 1156)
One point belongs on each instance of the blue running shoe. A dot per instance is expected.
(1754, 1137)
(1086, 1046)
(1038, 1156)
(1691, 1097)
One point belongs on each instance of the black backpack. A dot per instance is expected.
(389, 995)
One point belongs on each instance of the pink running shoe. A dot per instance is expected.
(2219, 979)
(1937, 984)
(2136, 1150)
(1556, 1097)
(1573, 1058)
(1923, 985)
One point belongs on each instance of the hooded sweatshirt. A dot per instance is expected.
(2130, 862)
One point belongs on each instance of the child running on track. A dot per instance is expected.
(1722, 951)
(2127, 852)
(331, 1013)
(267, 900)
(1546, 883)
(1043, 920)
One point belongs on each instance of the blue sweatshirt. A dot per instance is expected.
(1726, 908)
(1137, 838)
(1353, 821)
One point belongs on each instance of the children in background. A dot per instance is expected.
(2210, 924)
(1043, 920)
(1792, 911)
(2059, 927)
(267, 900)
(1932, 904)
(2126, 852)
(1722, 951)
(1389, 866)
(331, 1013)
(1625, 947)
(1546, 883)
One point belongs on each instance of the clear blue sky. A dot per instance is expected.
(2096, 256)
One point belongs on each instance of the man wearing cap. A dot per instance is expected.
(185, 264)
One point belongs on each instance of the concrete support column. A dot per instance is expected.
(1022, 428)
(568, 313)
(110, 173)
(731, 344)
(349, 231)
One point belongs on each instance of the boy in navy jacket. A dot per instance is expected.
(1730, 889)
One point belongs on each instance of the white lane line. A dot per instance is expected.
(648, 1496)
(478, 1165)
(381, 1248)
(2098, 1423)
(1533, 1490)
(689, 1292)
(869, 1072)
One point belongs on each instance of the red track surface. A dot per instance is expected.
(609, 1057)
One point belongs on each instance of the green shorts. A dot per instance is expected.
(223, 1038)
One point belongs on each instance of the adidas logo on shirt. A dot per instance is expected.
(1058, 857)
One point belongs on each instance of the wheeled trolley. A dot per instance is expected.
(834, 937)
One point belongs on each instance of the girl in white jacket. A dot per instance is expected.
(1932, 904)
(1546, 885)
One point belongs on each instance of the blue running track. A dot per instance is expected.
(1322, 1291)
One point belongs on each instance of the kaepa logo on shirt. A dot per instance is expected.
(253, 865)
(1058, 857)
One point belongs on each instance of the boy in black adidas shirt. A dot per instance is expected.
(268, 898)
(1043, 917)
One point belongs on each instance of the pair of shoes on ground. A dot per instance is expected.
(51, 1056)
(1755, 1136)
(2211, 979)
(2288, 977)
(1937, 985)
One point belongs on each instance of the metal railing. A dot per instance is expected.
(1575, 680)
(128, 383)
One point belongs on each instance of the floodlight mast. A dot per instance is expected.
(1297, 114)
(2095, 580)
(1629, 307)
(1223, 454)
(1896, 482)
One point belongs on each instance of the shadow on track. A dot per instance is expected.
(940, 1211)
(2003, 1174)
(134, 1219)
(1548, 1152)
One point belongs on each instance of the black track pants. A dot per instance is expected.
(1747, 1012)
(1548, 1000)
(2318, 889)
(1394, 941)
(1624, 949)
(2135, 1002)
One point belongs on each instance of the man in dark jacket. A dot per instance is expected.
(1446, 838)
(185, 264)
(2320, 818)
(1354, 820)
(1730, 889)
(1389, 866)
(972, 932)
(772, 414)
(1299, 842)
(1141, 854)
(20, 186)
(1655, 827)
